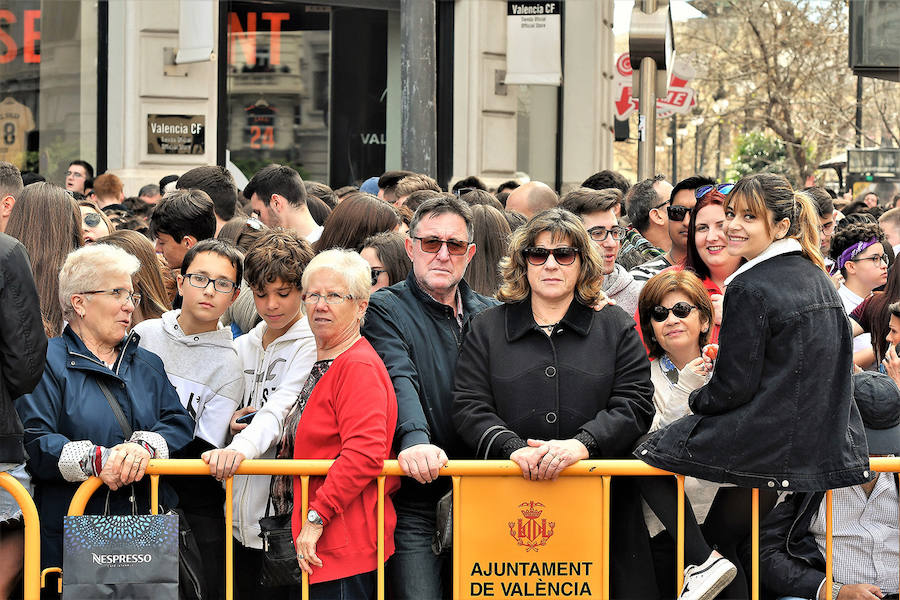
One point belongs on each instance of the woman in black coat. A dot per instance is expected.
(778, 412)
(546, 381)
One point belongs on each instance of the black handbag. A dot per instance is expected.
(442, 539)
(279, 564)
(191, 581)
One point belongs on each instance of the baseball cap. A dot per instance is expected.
(878, 400)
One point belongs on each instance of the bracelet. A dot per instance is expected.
(836, 589)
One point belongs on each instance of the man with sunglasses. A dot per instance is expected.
(681, 200)
(597, 209)
(417, 327)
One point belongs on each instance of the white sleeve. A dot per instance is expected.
(214, 419)
(264, 430)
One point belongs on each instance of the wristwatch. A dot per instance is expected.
(314, 518)
(836, 589)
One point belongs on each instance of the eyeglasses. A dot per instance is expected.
(463, 191)
(878, 258)
(564, 255)
(376, 273)
(75, 174)
(223, 286)
(433, 245)
(329, 298)
(681, 310)
(722, 188)
(120, 294)
(677, 213)
(92, 219)
(660, 205)
(600, 233)
(827, 228)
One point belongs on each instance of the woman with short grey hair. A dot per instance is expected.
(337, 418)
(104, 407)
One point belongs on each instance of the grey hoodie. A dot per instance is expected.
(621, 286)
(204, 369)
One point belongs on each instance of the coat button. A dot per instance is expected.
(551, 417)
(785, 483)
(72, 364)
(865, 474)
(550, 371)
(771, 484)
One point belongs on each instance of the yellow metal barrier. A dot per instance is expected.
(32, 566)
(606, 469)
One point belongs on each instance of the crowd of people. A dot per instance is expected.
(740, 333)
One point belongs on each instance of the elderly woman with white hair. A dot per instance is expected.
(347, 411)
(104, 406)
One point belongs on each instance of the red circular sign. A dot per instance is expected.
(623, 64)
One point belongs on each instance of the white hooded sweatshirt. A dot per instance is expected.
(273, 379)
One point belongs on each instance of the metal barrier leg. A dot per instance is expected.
(679, 552)
(32, 564)
(457, 560)
(380, 540)
(604, 581)
(754, 541)
(229, 539)
(829, 540)
(304, 491)
(154, 494)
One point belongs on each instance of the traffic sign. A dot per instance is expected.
(679, 99)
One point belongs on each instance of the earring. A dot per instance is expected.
(652, 338)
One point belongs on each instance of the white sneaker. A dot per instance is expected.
(704, 582)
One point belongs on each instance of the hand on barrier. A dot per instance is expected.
(859, 591)
(306, 546)
(222, 463)
(554, 456)
(125, 465)
(422, 462)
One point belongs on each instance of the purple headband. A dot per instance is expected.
(852, 252)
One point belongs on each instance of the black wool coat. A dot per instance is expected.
(592, 376)
(778, 412)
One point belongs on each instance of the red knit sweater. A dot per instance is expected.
(351, 416)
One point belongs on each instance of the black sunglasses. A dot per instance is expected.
(681, 310)
(564, 255)
(376, 273)
(433, 245)
(677, 213)
(92, 219)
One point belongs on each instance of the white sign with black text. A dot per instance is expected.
(533, 31)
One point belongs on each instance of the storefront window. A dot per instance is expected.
(48, 85)
(306, 88)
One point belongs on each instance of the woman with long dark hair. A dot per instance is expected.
(358, 216)
(48, 223)
(149, 280)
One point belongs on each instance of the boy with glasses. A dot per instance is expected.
(597, 210)
(202, 363)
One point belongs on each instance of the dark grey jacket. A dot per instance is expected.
(778, 412)
(23, 345)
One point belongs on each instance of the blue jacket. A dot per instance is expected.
(67, 405)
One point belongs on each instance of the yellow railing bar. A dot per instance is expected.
(606, 469)
(380, 539)
(32, 566)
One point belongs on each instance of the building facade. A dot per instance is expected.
(156, 87)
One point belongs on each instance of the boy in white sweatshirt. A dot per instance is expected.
(202, 364)
(277, 356)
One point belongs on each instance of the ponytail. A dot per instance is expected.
(805, 228)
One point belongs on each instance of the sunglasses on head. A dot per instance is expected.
(92, 219)
(681, 310)
(722, 188)
(564, 255)
(677, 213)
(376, 273)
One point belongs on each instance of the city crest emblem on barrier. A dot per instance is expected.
(531, 531)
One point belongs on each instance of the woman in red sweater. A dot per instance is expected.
(348, 413)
